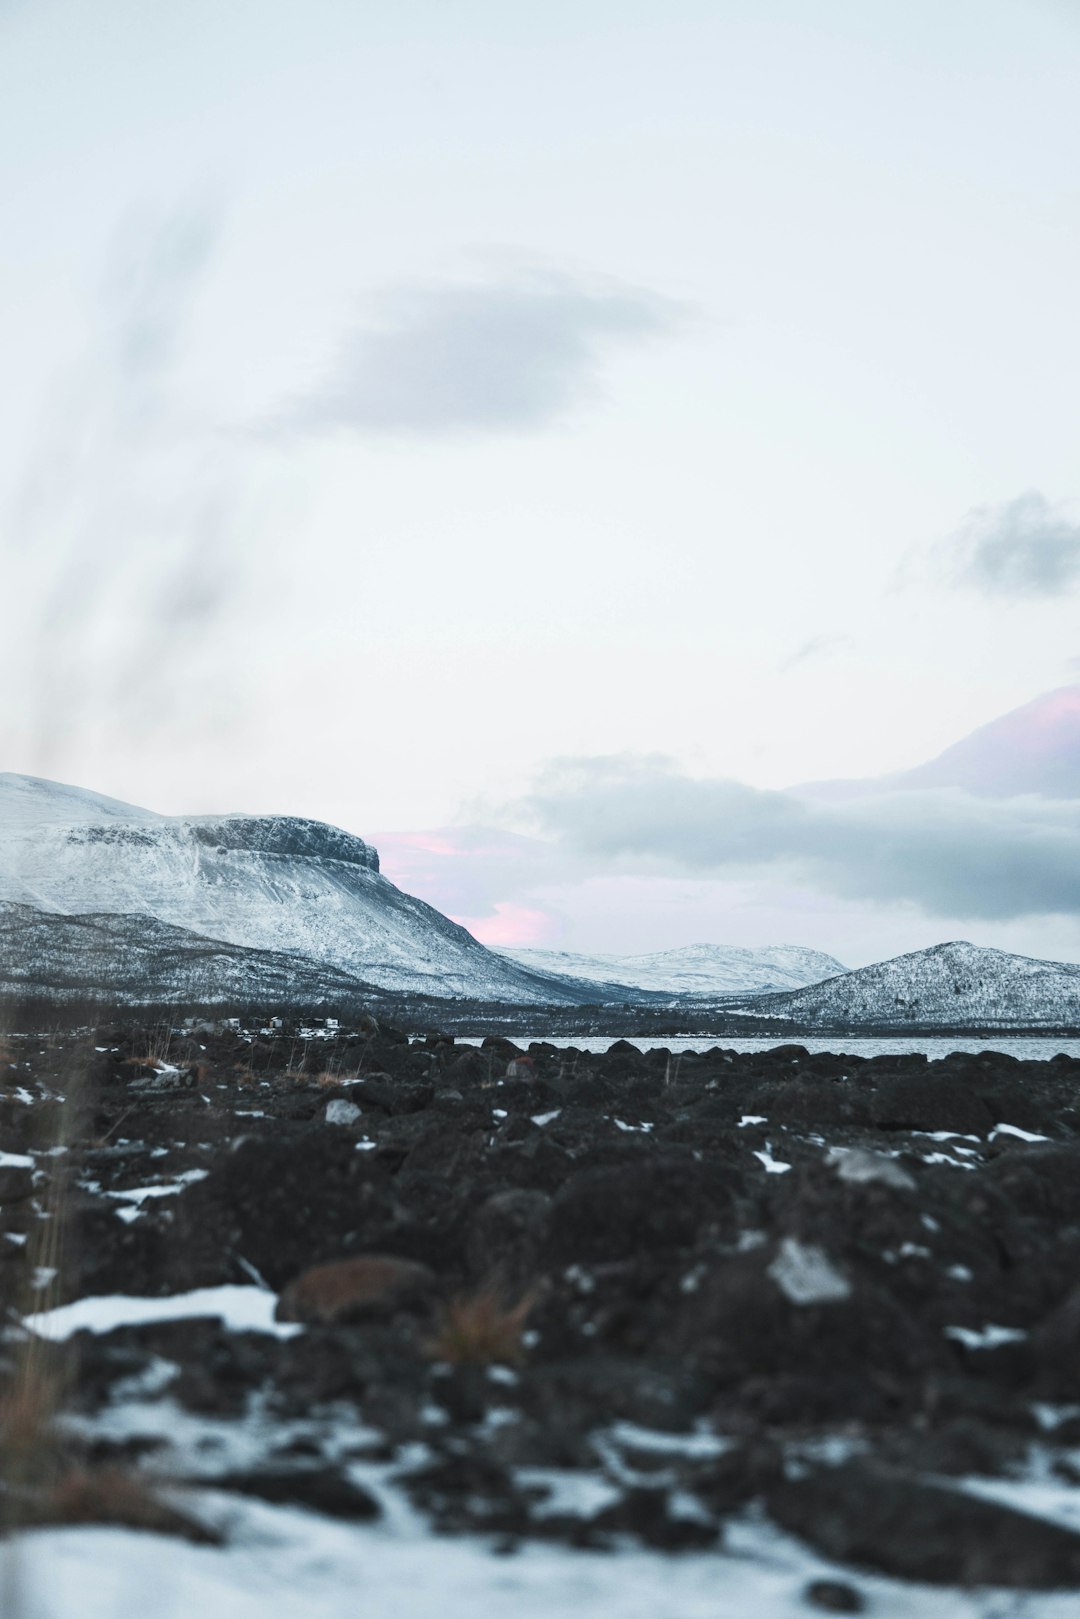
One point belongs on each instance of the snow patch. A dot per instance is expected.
(240, 1309)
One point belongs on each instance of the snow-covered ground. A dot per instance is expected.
(283, 1563)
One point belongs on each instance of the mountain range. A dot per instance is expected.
(101, 899)
(695, 970)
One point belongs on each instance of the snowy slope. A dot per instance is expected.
(949, 986)
(273, 883)
(696, 969)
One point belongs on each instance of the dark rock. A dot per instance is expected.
(16, 1183)
(325, 1490)
(612, 1213)
(914, 1102)
(834, 1596)
(506, 1237)
(282, 1204)
(1042, 1181)
(646, 1514)
(918, 1531)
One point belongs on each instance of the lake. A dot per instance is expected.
(1028, 1048)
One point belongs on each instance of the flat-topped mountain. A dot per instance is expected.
(956, 985)
(283, 884)
(706, 970)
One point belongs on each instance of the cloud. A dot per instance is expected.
(1023, 548)
(472, 871)
(943, 851)
(512, 926)
(457, 357)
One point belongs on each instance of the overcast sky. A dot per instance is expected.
(401, 398)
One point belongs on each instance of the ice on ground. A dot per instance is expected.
(773, 1166)
(15, 1160)
(240, 1309)
(805, 1274)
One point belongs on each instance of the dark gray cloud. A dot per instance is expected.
(945, 852)
(1024, 547)
(494, 357)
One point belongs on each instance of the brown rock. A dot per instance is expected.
(363, 1288)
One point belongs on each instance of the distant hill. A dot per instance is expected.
(955, 985)
(696, 969)
(137, 960)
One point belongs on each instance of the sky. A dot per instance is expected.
(530, 437)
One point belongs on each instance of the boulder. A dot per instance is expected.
(361, 1289)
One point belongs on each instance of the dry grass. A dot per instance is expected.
(481, 1329)
(27, 1438)
(41, 1485)
(110, 1496)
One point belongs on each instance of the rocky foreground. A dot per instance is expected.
(631, 1299)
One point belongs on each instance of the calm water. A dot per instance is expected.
(1027, 1047)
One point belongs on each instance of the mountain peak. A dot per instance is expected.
(1032, 749)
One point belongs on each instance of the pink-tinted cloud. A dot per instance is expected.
(512, 926)
(470, 870)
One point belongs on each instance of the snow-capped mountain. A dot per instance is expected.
(274, 883)
(706, 970)
(955, 985)
(1034, 749)
(132, 960)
